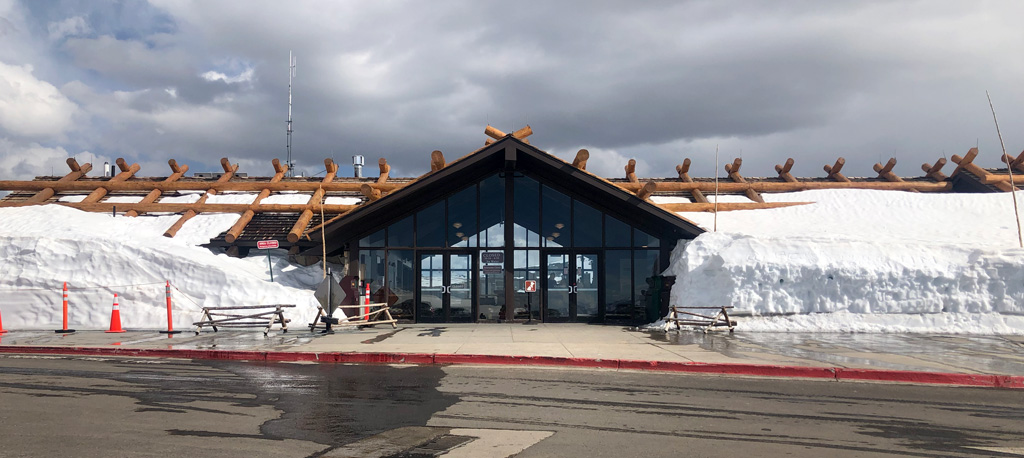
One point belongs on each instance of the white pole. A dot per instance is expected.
(1009, 166)
(716, 189)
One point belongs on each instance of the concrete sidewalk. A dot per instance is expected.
(547, 344)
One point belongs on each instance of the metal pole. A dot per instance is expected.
(716, 190)
(271, 265)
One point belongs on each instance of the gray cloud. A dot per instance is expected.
(655, 81)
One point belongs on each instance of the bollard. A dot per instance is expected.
(366, 302)
(115, 317)
(65, 329)
(170, 320)
(2, 330)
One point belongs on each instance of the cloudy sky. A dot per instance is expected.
(659, 82)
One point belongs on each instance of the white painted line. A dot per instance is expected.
(1006, 450)
(495, 443)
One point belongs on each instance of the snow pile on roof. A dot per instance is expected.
(41, 247)
(861, 261)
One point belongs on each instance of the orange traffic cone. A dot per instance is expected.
(115, 317)
(2, 330)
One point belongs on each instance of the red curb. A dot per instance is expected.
(839, 374)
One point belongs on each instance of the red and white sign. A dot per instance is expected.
(267, 244)
(531, 286)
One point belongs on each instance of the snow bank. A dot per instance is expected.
(99, 255)
(861, 261)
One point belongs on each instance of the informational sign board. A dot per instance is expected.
(267, 244)
(491, 269)
(531, 286)
(492, 257)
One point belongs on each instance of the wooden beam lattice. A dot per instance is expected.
(935, 171)
(775, 186)
(783, 171)
(496, 134)
(126, 173)
(725, 206)
(684, 175)
(317, 198)
(885, 171)
(834, 171)
(734, 174)
(246, 217)
(966, 163)
(229, 171)
(176, 173)
(196, 207)
(45, 194)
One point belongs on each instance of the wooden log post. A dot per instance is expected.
(783, 171)
(935, 171)
(834, 171)
(229, 171)
(299, 228)
(437, 160)
(246, 216)
(385, 170)
(46, 193)
(370, 192)
(126, 173)
(734, 174)
(886, 170)
(647, 190)
(684, 174)
(967, 163)
(631, 171)
(580, 162)
(176, 173)
(1014, 163)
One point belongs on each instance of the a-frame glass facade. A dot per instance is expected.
(511, 246)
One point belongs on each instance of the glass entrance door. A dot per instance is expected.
(445, 289)
(571, 287)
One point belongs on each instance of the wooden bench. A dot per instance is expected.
(378, 314)
(229, 317)
(695, 318)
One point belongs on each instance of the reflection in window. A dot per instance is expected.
(430, 226)
(491, 285)
(526, 213)
(586, 225)
(616, 233)
(526, 266)
(401, 283)
(643, 240)
(400, 233)
(618, 279)
(462, 218)
(375, 239)
(372, 270)
(645, 266)
(556, 228)
(492, 212)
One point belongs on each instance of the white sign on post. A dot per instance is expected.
(531, 286)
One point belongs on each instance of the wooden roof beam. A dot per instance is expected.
(436, 161)
(317, 198)
(251, 186)
(496, 134)
(246, 216)
(783, 171)
(934, 172)
(385, 170)
(645, 191)
(886, 170)
(834, 173)
(229, 171)
(159, 207)
(967, 163)
(126, 173)
(1014, 163)
(176, 173)
(631, 171)
(734, 174)
(725, 206)
(45, 194)
(775, 186)
(580, 161)
(684, 175)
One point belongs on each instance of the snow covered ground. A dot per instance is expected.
(861, 261)
(854, 261)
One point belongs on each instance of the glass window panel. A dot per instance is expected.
(460, 287)
(645, 266)
(492, 212)
(400, 233)
(618, 279)
(430, 226)
(491, 285)
(372, 269)
(616, 233)
(401, 283)
(431, 306)
(586, 224)
(375, 239)
(526, 198)
(558, 285)
(526, 266)
(462, 218)
(556, 225)
(643, 240)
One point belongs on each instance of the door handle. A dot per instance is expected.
(446, 289)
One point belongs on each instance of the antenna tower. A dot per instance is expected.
(291, 74)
